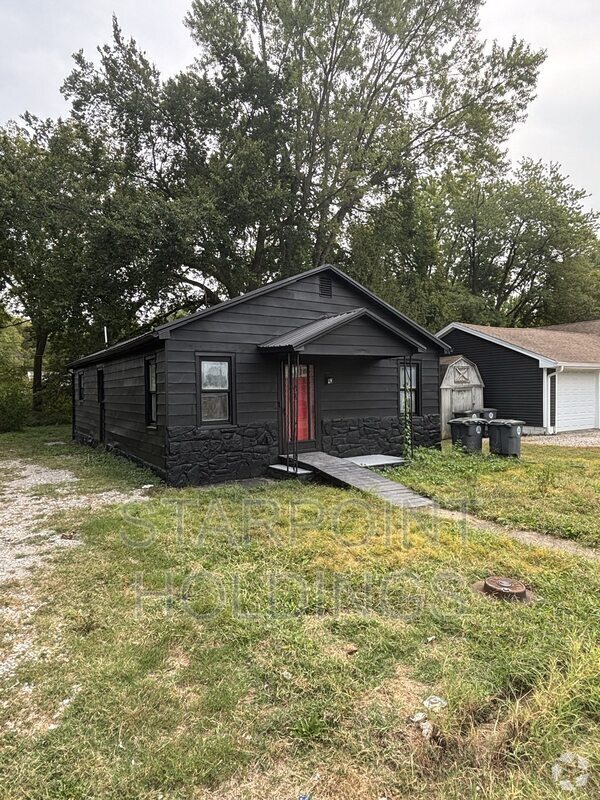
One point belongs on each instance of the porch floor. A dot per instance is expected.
(343, 472)
(376, 460)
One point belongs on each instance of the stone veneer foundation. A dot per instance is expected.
(210, 455)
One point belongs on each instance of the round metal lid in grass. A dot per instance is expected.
(503, 588)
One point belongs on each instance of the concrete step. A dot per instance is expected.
(281, 472)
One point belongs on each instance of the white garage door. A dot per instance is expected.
(576, 401)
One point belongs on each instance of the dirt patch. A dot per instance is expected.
(288, 781)
(533, 538)
(401, 692)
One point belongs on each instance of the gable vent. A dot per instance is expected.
(325, 289)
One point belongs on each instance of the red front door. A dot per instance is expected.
(299, 403)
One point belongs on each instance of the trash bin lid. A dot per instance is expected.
(509, 423)
(468, 421)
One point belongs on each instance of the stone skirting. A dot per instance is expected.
(427, 431)
(212, 455)
(198, 456)
(359, 436)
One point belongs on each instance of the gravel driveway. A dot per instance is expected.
(27, 541)
(589, 438)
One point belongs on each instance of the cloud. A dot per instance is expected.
(564, 120)
(38, 37)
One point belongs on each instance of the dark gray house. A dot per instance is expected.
(314, 361)
(548, 377)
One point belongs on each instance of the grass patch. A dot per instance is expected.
(51, 446)
(550, 489)
(271, 641)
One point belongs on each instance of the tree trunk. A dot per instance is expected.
(41, 339)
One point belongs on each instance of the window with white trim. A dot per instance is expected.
(215, 390)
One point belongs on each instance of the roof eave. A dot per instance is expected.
(543, 361)
(578, 364)
(205, 312)
(115, 351)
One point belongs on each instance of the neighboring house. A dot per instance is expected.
(549, 377)
(461, 389)
(314, 361)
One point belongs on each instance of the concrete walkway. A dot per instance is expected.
(343, 472)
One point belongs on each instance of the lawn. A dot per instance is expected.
(550, 489)
(273, 642)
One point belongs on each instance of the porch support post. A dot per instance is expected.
(287, 393)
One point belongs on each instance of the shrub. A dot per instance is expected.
(55, 404)
(15, 405)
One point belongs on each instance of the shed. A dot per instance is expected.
(461, 389)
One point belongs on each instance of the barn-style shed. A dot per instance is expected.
(461, 389)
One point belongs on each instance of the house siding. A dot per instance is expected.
(513, 381)
(125, 429)
(356, 412)
(362, 387)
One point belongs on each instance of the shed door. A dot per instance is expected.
(576, 401)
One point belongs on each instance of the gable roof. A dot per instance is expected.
(298, 337)
(447, 361)
(163, 331)
(551, 347)
(589, 326)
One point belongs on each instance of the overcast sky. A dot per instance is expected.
(37, 38)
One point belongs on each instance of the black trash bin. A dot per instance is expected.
(487, 414)
(467, 433)
(505, 437)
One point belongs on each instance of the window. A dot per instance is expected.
(408, 381)
(100, 384)
(150, 386)
(215, 404)
(80, 386)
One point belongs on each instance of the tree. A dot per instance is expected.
(75, 239)
(14, 398)
(295, 119)
(397, 253)
(513, 238)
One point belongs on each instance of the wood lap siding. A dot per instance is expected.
(364, 387)
(513, 381)
(125, 408)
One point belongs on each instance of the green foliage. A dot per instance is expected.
(294, 120)
(15, 402)
(15, 405)
(56, 402)
(489, 246)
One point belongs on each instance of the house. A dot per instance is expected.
(548, 377)
(461, 389)
(314, 361)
